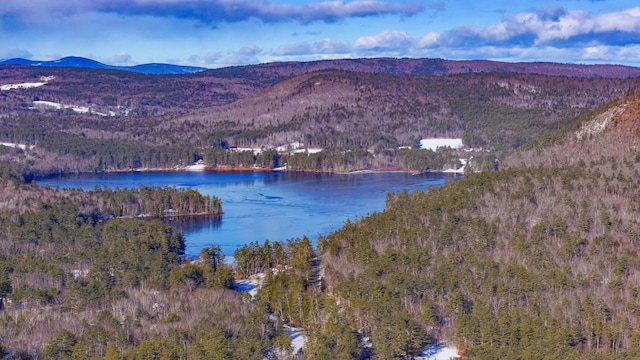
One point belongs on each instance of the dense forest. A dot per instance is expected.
(80, 278)
(536, 261)
(518, 263)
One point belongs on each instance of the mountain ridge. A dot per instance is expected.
(408, 66)
(264, 105)
(81, 62)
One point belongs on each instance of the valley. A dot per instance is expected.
(531, 254)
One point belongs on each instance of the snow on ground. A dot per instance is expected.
(48, 103)
(78, 109)
(307, 151)
(434, 144)
(195, 167)
(255, 151)
(297, 148)
(439, 352)
(20, 146)
(77, 274)
(250, 285)
(20, 86)
(298, 339)
(292, 146)
(454, 171)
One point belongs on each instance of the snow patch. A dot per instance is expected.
(48, 103)
(250, 285)
(307, 151)
(198, 166)
(439, 352)
(298, 339)
(290, 147)
(19, 146)
(435, 143)
(297, 147)
(8, 87)
(454, 171)
(77, 109)
(255, 151)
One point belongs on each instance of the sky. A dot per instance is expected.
(219, 33)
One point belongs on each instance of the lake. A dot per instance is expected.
(266, 205)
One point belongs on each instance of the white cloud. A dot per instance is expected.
(121, 58)
(246, 55)
(212, 57)
(627, 20)
(554, 26)
(572, 24)
(332, 46)
(595, 52)
(628, 54)
(568, 25)
(386, 40)
(300, 48)
(428, 41)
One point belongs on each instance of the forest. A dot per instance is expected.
(83, 277)
(534, 257)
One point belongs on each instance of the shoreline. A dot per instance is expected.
(231, 169)
(169, 217)
(182, 215)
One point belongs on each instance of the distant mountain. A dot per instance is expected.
(267, 73)
(156, 68)
(80, 62)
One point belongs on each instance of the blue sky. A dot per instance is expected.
(217, 33)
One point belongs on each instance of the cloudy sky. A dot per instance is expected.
(216, 33)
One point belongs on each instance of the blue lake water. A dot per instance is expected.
(260, 205)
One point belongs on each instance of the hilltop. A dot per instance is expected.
(426, 66)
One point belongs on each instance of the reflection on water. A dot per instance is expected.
(261, 205)
(189, 224)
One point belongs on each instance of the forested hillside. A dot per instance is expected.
(532, 262)
(97, 120)
(381, 111)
